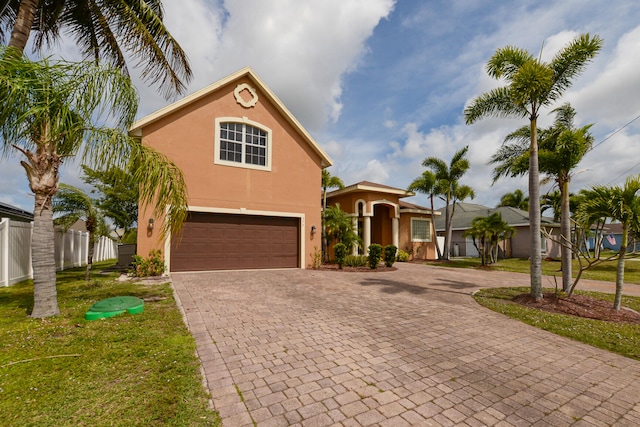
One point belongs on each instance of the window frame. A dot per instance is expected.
(244, 121)
(430, 231)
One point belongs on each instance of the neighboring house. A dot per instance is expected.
(613, 238)
(14, 213)
(381, 217)
(253, 175)
(517, 246)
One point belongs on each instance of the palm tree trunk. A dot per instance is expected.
(24, 21)
(534, 214)
(91, 250)
(45, 300)
(620, 268)
(447, 232)
(565, 235)
(435, 235)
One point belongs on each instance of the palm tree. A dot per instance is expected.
(47, 114)
(620, 204)
(486, 233)
(426, 184)
(531, 85)
(339, 228)
(328, 181)
(73, 205)
(449, 189)
(102, 30)
(561, 148)
(516, 200)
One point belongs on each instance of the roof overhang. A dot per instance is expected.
(361, 187)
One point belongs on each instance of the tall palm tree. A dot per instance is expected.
(618, 203)
(517, 200)
(328, 181)
(531, 85)
(426, 184)
(449, 189)
(103, 31)
(561, 148)
(47, 114)
(72, 204)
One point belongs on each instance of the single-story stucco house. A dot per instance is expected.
(517, 246)
(381, 217)
(253, 177)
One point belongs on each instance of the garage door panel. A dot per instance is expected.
(224, 241)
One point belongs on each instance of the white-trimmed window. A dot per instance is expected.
(242, 143)
(420, 230)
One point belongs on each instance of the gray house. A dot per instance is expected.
(517, 246)
(14, 213)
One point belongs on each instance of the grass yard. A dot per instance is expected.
(621, 338)
(605, 271)
(128, 370)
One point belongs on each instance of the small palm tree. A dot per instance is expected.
(532, 85)
(620, 204)
(102, 29)
(449, 189)
(328, 181)
(517, 200)
(339, 228)
(486, 233)
(72, 204)
(48, 113)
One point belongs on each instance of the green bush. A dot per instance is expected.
(145, 267)
(355, 260)
(402, 256)
(375, 254)
(390, 255)
(340, 250)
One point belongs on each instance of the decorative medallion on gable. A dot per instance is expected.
(243, 92)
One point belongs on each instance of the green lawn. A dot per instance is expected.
(129, 370)
(621, 338)
(605, 271)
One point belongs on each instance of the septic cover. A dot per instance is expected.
(113, 306)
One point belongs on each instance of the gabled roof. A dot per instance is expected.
(372, 187)
(14, 213)
(136, 128)
(466, 212)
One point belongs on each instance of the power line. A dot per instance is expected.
(614, 132)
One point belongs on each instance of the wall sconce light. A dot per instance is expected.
(313, 229)
(150, 226)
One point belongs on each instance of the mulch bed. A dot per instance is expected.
(365, 269)
(581, 306)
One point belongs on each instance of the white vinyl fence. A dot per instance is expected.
(71, 250)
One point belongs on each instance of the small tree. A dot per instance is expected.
(73, 204)
(390, 255)
(339, 228)
(328, 181)
(486, 233)
(375, 254)
(340, 250)
(618, 203)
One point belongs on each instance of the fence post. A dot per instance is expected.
(4, 252)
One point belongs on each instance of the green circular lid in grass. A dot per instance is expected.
(113, 306)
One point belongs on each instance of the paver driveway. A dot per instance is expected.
(409, 347)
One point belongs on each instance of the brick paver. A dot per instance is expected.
(408, 347)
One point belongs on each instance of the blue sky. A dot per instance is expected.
(382, 84)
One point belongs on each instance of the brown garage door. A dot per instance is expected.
(211, 241)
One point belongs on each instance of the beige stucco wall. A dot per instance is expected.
(421, 250)
(291, 186)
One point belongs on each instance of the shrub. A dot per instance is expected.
(403, 256)
(355, 260)
(390, 255)
(375, 253)
(340, 250)
(145, 267)
(316, 258)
